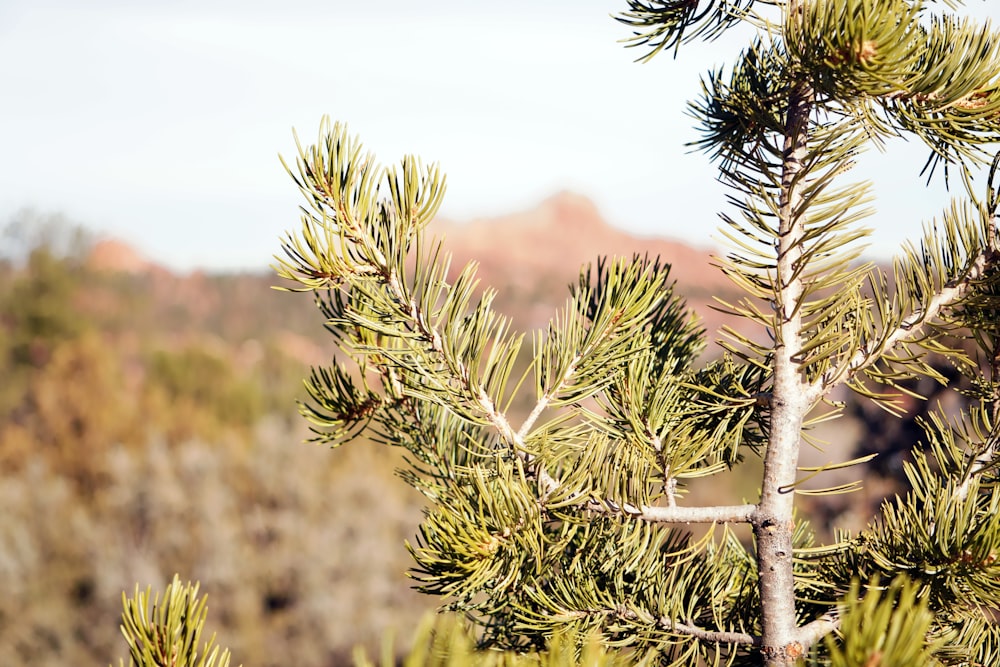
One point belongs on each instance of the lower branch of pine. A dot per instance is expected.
(682, 628)
(812, 632)
(676, 513)
(713, 636)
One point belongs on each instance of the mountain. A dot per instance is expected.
(532, 256)
(558, 235)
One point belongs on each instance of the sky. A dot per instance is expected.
(160, 123)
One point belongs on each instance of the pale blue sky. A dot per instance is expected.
(160, 122)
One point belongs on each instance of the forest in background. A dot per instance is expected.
(148, 427)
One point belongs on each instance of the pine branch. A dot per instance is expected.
(686, 629)
(548, 484)
(911, 327)
(665, 24)
(713, 636)
(812, 632)
(166, 631)
(676, 514)
(373, 263)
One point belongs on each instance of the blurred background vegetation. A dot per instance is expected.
(148, 427)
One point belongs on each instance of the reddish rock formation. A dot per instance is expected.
(563, 233)
(116, 256)
(533, 255)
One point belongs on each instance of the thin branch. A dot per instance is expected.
(984, 459)
(498, 419)
(675, 513)
(978, 466)
(811, 633)
(714, 636)
(652, 514)
(546, 398)
(670, 625)
(911, 326)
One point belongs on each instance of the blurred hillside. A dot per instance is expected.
(148, 426)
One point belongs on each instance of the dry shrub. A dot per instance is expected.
(300, 552)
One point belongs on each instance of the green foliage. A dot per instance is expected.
(36, 309)
(443, 641)
(434, 377)
(899, 72)
(168, 633)
(943, 537)
(39, 308)
(205, 386)
(664, 24)
(886, 626)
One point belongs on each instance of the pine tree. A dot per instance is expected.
(571, 518)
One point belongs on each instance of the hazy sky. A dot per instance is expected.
(160, 122)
